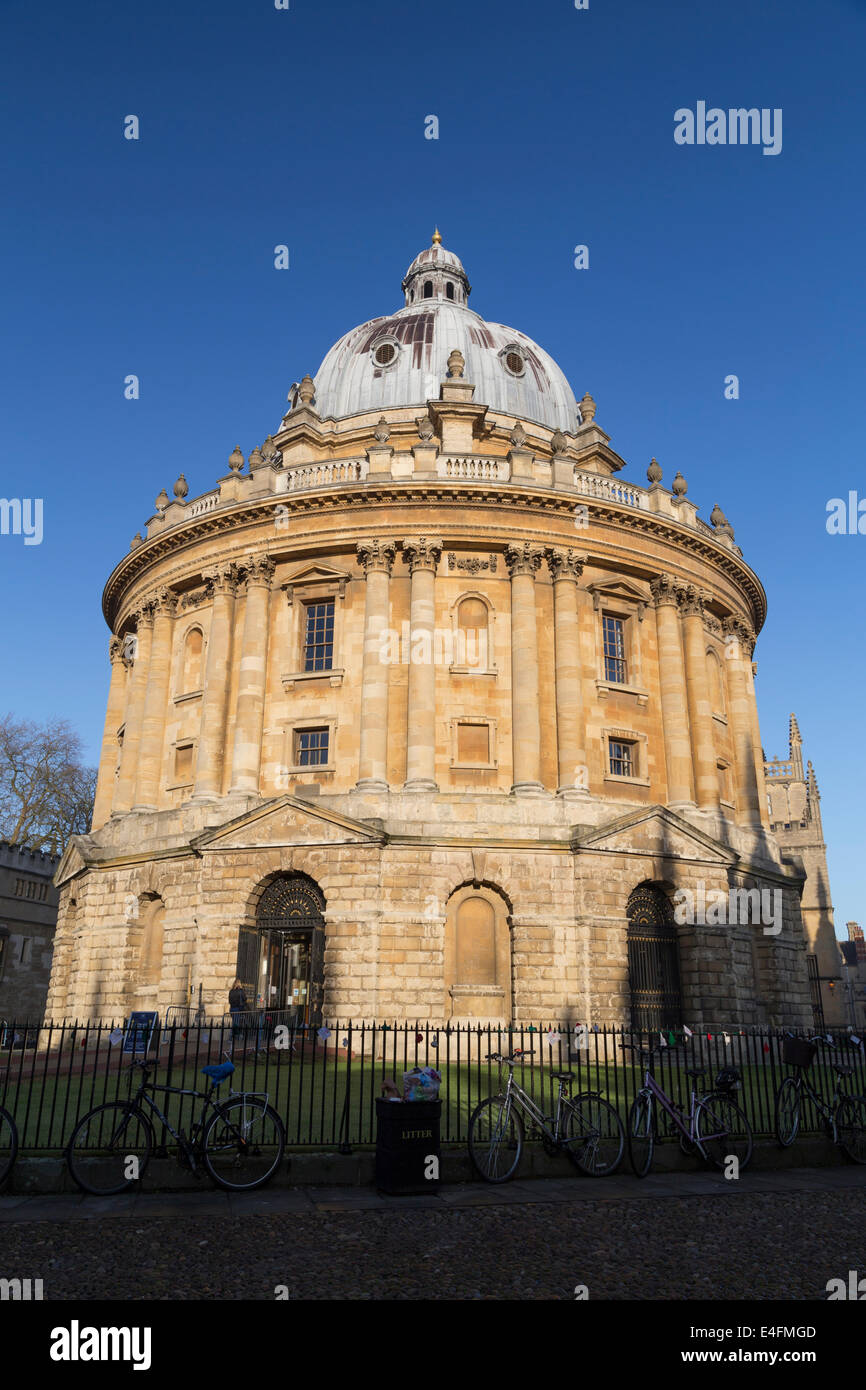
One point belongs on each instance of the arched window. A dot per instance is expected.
(478, 954)
(192, 670)
(428, 289)
(653, 960)
(472, 644)
(449, 291)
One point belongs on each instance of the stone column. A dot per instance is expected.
(523, 562)
(249, 716)
(672, 684)
(700, 714)
(739, 642)
(377, 559)
(758, 747)
(106, 779)
(210, 755)
(422, 557)
(566, 566)
(147, 784)
(136, 654)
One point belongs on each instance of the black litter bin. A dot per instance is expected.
(407, 1138)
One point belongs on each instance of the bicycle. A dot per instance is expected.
(585, 1127)
(239, 1141)
(8, 1144)
(844, 1115)
(715, 1125)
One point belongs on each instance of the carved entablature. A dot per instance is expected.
(565, 564)
(471, 563)
(523, 559)
(712, 625)
(422, 553)
(376, 555)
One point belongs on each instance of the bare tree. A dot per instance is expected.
(46, 793)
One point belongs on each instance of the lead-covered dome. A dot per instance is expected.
(401, 359)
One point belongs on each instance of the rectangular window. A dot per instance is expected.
(319, 636)
(183, 763)
(311, 747)
(473, 743)
(622, 759)
(614, 650)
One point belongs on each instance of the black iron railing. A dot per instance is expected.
(324, 1080)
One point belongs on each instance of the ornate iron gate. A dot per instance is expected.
(653, 960)
(281, 958)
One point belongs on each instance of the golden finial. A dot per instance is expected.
(437, 238)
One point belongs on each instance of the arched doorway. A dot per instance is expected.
(281, 957)
(653, 960)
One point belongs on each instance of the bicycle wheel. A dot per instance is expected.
(723, 1131)
(109, 1149)
(641, 1136)
(592, 1135)
(851, 1127)
(8, 1144)
(495, 1139)
(244, 1141)
(787, 1111)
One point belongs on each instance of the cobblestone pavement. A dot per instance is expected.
(676, 1237)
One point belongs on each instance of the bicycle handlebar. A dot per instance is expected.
(515, 1056)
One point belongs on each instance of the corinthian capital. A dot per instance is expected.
(423, 553)
(115, 649)
(565, 564)
(164, 601)
(739, 637)
(666, 591)
(376, 555)
(222, 579)
(259, 569)
(523, 559)
(693, 601)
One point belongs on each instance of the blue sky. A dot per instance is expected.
(306, 127)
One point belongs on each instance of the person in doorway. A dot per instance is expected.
(238, 1007)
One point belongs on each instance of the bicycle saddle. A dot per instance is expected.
(562, 1075)
(842, 1071)
(696, 1072)
(218, 1071)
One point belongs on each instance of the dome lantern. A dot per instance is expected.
(436, 274)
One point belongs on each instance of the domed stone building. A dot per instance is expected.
(425, 713)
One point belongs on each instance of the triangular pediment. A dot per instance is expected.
(74, 860)
(615, 586)
(656, 831)
(287, 820)
(316, 574)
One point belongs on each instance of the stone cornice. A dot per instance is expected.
(506, 499)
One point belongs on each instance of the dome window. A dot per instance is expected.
(428, 289)
(449, 290)
(384, 354)
(514, 362)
